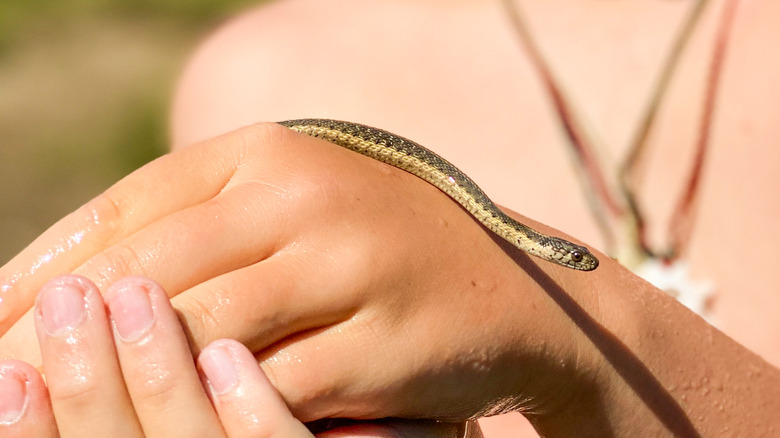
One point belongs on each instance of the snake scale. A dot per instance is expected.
(427, 165)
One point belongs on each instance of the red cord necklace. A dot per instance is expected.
(616, 207)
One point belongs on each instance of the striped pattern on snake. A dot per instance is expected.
(427, 165)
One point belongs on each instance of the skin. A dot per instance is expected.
(487, 82)
(109, 375)
(587, 346)
(86, 389)
(600, 352)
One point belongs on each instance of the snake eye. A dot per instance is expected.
(576, 256)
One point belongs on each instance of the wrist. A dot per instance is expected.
(603, 376)
(548, 363)
(648, 364)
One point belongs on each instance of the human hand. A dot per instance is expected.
(138, 379)
(123, 368)
(365, 291)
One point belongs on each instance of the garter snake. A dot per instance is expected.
(425, 164)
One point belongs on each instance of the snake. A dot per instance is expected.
(423, 163)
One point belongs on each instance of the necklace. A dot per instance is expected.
(616, 206)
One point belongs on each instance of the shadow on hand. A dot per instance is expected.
(630, 368)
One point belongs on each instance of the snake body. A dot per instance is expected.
(425, 164)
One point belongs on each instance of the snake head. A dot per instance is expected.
(562, 252)
(580, 258)
(570, 255)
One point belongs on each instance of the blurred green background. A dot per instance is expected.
(84, 92)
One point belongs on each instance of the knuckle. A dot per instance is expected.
(308, 183)
(246, 146)
(153, 384)
(118, 261)
(321, 189)
(200, 319)
(265, 132)
(102, 214)
(302, 387)
(77, 391)
(254, 424)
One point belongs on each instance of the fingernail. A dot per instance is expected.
(13, 397)
(131, 310)
(62, 307)
(220, 370)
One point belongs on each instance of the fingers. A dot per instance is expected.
(156, 390)
(156, 190)
(133, 375)
(85, 382)
(164, 251)
(169, 184)
(157, 365)
(263, 303)
(246, 402)
(190, 246)
(25, 411)
(143, 382)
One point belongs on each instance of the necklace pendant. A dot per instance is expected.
(674, 278)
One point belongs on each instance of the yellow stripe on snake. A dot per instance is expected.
(423, 163)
